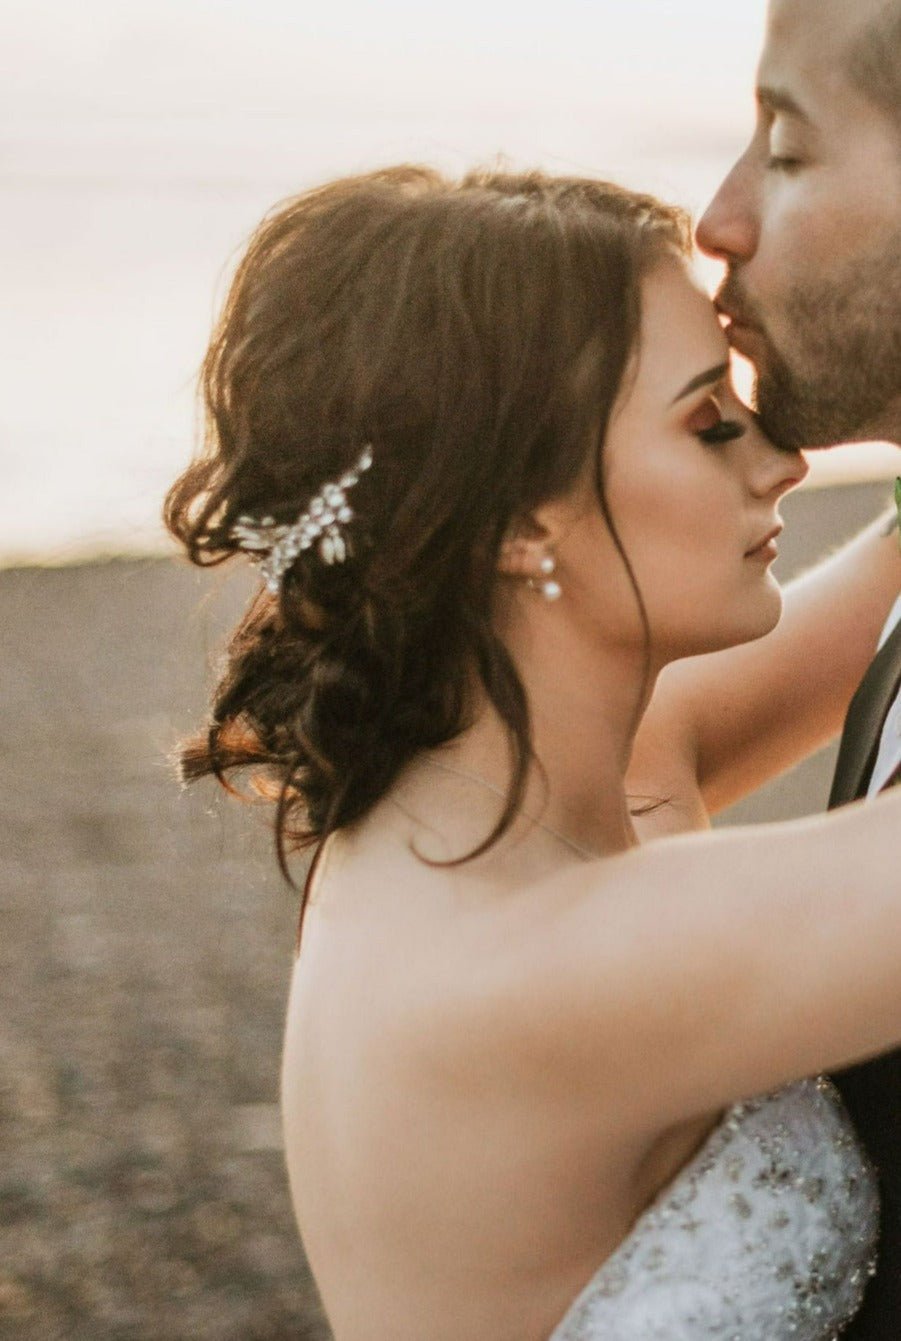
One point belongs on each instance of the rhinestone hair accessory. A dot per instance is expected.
(275, 546)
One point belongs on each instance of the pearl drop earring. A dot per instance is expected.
(549, 588)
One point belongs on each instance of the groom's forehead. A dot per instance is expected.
(835, 56)
(818, 40)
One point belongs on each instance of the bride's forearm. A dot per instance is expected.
(737, 961)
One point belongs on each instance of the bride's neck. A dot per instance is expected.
(585, 704)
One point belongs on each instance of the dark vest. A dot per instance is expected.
(872, 1090)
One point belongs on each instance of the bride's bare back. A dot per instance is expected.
(441, 1179)
(486, 1081)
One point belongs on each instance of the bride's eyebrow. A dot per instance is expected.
(703, 379)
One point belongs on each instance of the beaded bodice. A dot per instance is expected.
(769, 1231)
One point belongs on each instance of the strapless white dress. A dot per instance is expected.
(768, 1234)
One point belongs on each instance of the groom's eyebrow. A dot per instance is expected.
(775, 100)
(703, 379)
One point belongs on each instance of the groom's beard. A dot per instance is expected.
(838, 378)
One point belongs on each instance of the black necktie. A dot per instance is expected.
(863, 725)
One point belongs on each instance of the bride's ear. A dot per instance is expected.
(525, 549)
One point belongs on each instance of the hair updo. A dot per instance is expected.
(476, 334)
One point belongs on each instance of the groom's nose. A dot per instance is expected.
(730, 227)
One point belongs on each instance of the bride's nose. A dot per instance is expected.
(773, 471)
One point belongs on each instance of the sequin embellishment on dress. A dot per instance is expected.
(769, 1231)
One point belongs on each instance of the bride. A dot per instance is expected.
(553, 1064)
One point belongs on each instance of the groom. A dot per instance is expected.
(808, 222)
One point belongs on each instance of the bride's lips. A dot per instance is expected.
(744, 339)
(766, 548)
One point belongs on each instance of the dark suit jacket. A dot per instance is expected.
(872, 1090)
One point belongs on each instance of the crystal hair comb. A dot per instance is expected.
(274, 547)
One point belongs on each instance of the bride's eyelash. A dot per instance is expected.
(727, 430)
(709, 425)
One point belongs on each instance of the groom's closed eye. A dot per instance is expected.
(787, 126)
(783, 148)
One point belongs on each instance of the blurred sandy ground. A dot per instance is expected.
(146, 944)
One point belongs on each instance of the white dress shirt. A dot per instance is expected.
(889, 756)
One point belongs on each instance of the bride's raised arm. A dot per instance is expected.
(741, 717)
(707, 968)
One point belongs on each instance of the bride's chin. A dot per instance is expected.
(763, 615)
(757, 619)
(773, 603)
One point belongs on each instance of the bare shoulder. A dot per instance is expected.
(649, 987)
(666, 975)
(525, 996)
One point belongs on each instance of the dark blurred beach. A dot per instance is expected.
(146, 946)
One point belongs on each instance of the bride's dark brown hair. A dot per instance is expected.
(476, 333)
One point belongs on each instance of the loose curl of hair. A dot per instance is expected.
(476, 333)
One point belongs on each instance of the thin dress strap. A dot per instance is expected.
(312, 873)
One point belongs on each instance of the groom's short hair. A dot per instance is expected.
(875, 64)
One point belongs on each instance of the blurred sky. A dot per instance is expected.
(140, 142)
(394, 58)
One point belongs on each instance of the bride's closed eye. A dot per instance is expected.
(708, 424)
